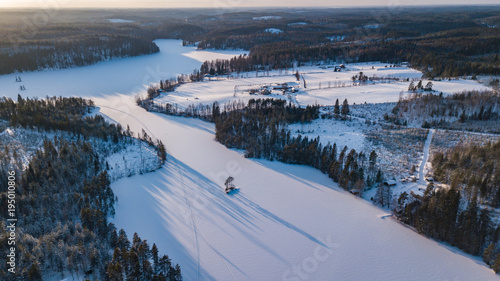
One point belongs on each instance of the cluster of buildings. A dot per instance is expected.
(284, 88)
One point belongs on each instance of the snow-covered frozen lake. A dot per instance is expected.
(287, 222)
(128, 75)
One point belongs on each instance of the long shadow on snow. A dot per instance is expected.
(224, 206)
(157, 192)
(166, 192)
(298, 173)
(227, 205)
(194, 123)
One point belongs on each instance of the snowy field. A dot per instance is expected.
(350, 134)
(398, 149)
(120, 21)
(324, 86)
(287, 222)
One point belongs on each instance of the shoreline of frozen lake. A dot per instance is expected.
(125, 76)
(287, 222)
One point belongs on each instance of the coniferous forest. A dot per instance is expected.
(461, 214)
(440, 42)
(63, 197)
(260, 129)
(470, 110)
(64, 200)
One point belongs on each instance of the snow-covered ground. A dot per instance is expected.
(324, 86)
(128, 75)
(120, 21)
(123, 159)
(343, 133)
(273, 30)
(398, 149)
(336, 38)
(287, 222)
(267, 18)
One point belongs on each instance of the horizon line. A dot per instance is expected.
(260, 7)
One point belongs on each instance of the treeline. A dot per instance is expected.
(169, 85)
(63, 199)
(80, 38)
(314, 27)
(434, 56)
(74, 51)
(440, 42)
(58, 113)
(460, 214)
(137, 261)
(68, 114)
(260, 129)
(453, 111)
(242, 63)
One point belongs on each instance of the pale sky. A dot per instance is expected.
(224, 3)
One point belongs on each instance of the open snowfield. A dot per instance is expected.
(286, 222)
(120, 21)
(324, 86)
(332, 131)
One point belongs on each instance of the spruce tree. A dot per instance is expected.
(345, 109)
(336, 108)
(154, 252)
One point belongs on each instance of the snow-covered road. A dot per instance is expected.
(425, 159)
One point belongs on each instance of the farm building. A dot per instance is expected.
(390, 183)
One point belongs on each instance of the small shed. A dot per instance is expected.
(390, 183)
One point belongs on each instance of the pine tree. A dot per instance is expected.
(496, 264)
(154, 252)
(419, 85)
(345, 109)
(372, 160)
(215, 110)
(380, 195)
(428, 86)
(401, 202)
(411, 87)
(336, 108)
(162, 151)
(380, 176)
(489, 254)
(164, 265)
